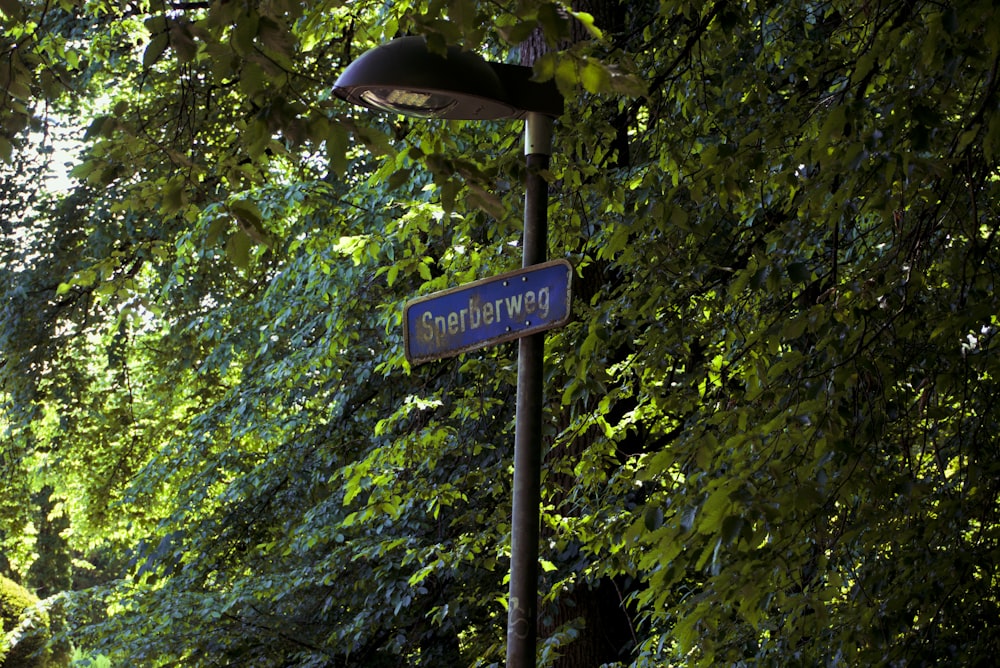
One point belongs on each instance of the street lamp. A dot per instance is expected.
(404, 76)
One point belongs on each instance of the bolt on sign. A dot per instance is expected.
(488, 311)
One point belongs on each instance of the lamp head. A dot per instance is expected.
(405, 77)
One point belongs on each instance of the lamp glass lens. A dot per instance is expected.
(409, 102)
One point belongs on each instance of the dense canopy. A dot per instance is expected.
(771, 427)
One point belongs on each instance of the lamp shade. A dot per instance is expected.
(405, 77)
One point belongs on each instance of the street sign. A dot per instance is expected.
(487, 312)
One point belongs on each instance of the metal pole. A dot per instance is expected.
(522, 615)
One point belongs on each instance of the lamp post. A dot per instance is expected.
(404, 76)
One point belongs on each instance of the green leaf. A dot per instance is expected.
(244, 33)
(154, 50)
(588, 22)
(449, 190)
(238, 249)
(595, 77)
(398, 178)
(544, 68)
(182, 42)
(249, 217)
(519, 32)
(799, 272)
(731, 527)
(652, 517)
(713, 511)
(554, 22)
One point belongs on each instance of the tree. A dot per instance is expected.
(24, 628)
(772, 427)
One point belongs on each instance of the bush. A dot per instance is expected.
(23, 631)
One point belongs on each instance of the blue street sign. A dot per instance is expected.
(487, 312)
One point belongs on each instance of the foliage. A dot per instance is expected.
(24, 629)
(51, 572)
(770, 428)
